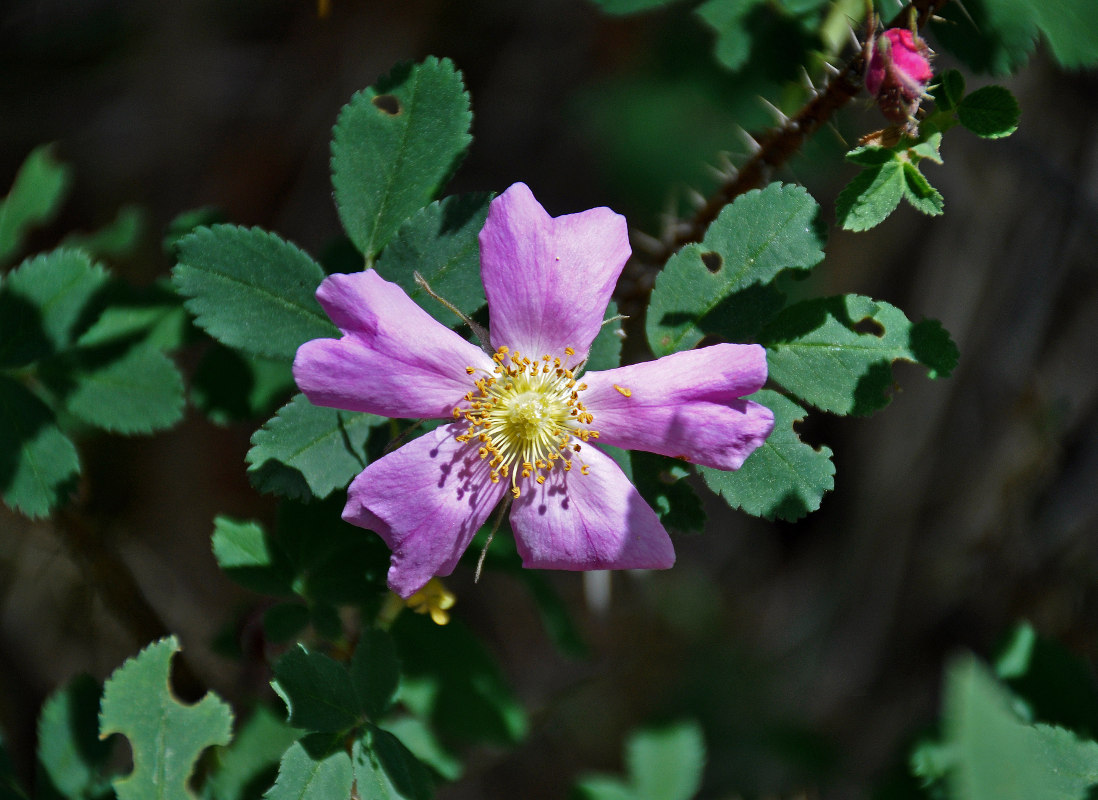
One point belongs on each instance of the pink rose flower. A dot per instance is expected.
(898, 73)
(525, 422)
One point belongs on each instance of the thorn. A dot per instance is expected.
(854, 38)
(832, 70)
(808, 84)
(777, 113)
(716, 172)
(752, 145)
(967, 15)
(697, 199)
(650, 244)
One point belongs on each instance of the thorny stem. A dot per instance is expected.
(780, 144)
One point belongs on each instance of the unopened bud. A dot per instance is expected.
(898, 73)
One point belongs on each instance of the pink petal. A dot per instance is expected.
(594, 521)
(426, 500)
(394, 359)
(686, 405)
(547, 279)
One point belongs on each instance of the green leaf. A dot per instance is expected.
(155, 316)
(605, 351)
(39, 188)
(229, 386)
(868, 199)
(315, 768)
(871, 155)
(251, 290)
(990, 112)
(166, 737)
(306, 450)
(728, 20)
(45, 304)
(929, 149)
(440, 243)
(250, 763)
(998, 757)
(139, 391)
(666, 763)
(919, 192)
(37, 461)
(836, 352)
(701, 290)
(449, 678)
(375, 672)
(118, 239)
(420, 740)
(317, 691)
(394, 147)
(659, 479)
(619, 7)
(603, 787)
(247, 555)
(784, 478)
(69, 748)
(950, 90)
(386, 770)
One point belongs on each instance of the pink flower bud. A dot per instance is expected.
(898, 73)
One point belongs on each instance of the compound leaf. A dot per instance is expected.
(166, 736)
(784, 478)
(386, 770)
(251, 290)
(315, 768)
(394, 146)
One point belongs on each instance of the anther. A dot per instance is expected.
(584, 469)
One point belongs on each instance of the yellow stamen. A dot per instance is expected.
(624, 391)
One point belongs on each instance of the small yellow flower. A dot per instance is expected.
(434, 599)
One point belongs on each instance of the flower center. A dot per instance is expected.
(527, 416)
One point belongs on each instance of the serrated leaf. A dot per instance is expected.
(868, 199)
(998, 757)
(950, 90)
(251, 290)
(784, 478)
(37, 461)
(306, 450)
(836, 352)
(761, 234)
(919, 192)
(386, 770)
(666, 763)
(930, 149)
(440, 243)
(36, 194)
(375, 672)
(314, 768)
(252, 759)
(246, 554)
(449, 678)
(69, 749)
(870, 155)
(139, 391)
(394, 146)
(317, 690)
(45, 304)
(990, 112)
(166, 736)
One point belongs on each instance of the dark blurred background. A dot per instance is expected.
(811, 652)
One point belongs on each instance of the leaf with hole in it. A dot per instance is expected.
(39, 187)
(251, 290)
(440, 243)
(137, 390)
(721, 285)
(317, 691)
(394, 147)
(868, 199)
(37, 460)
(166, 736)
(784, 478)
(837, 352)
(46, 303)
(306, 450)
(386, 770)
(317, 767)
(70, 751)
(990, 112)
